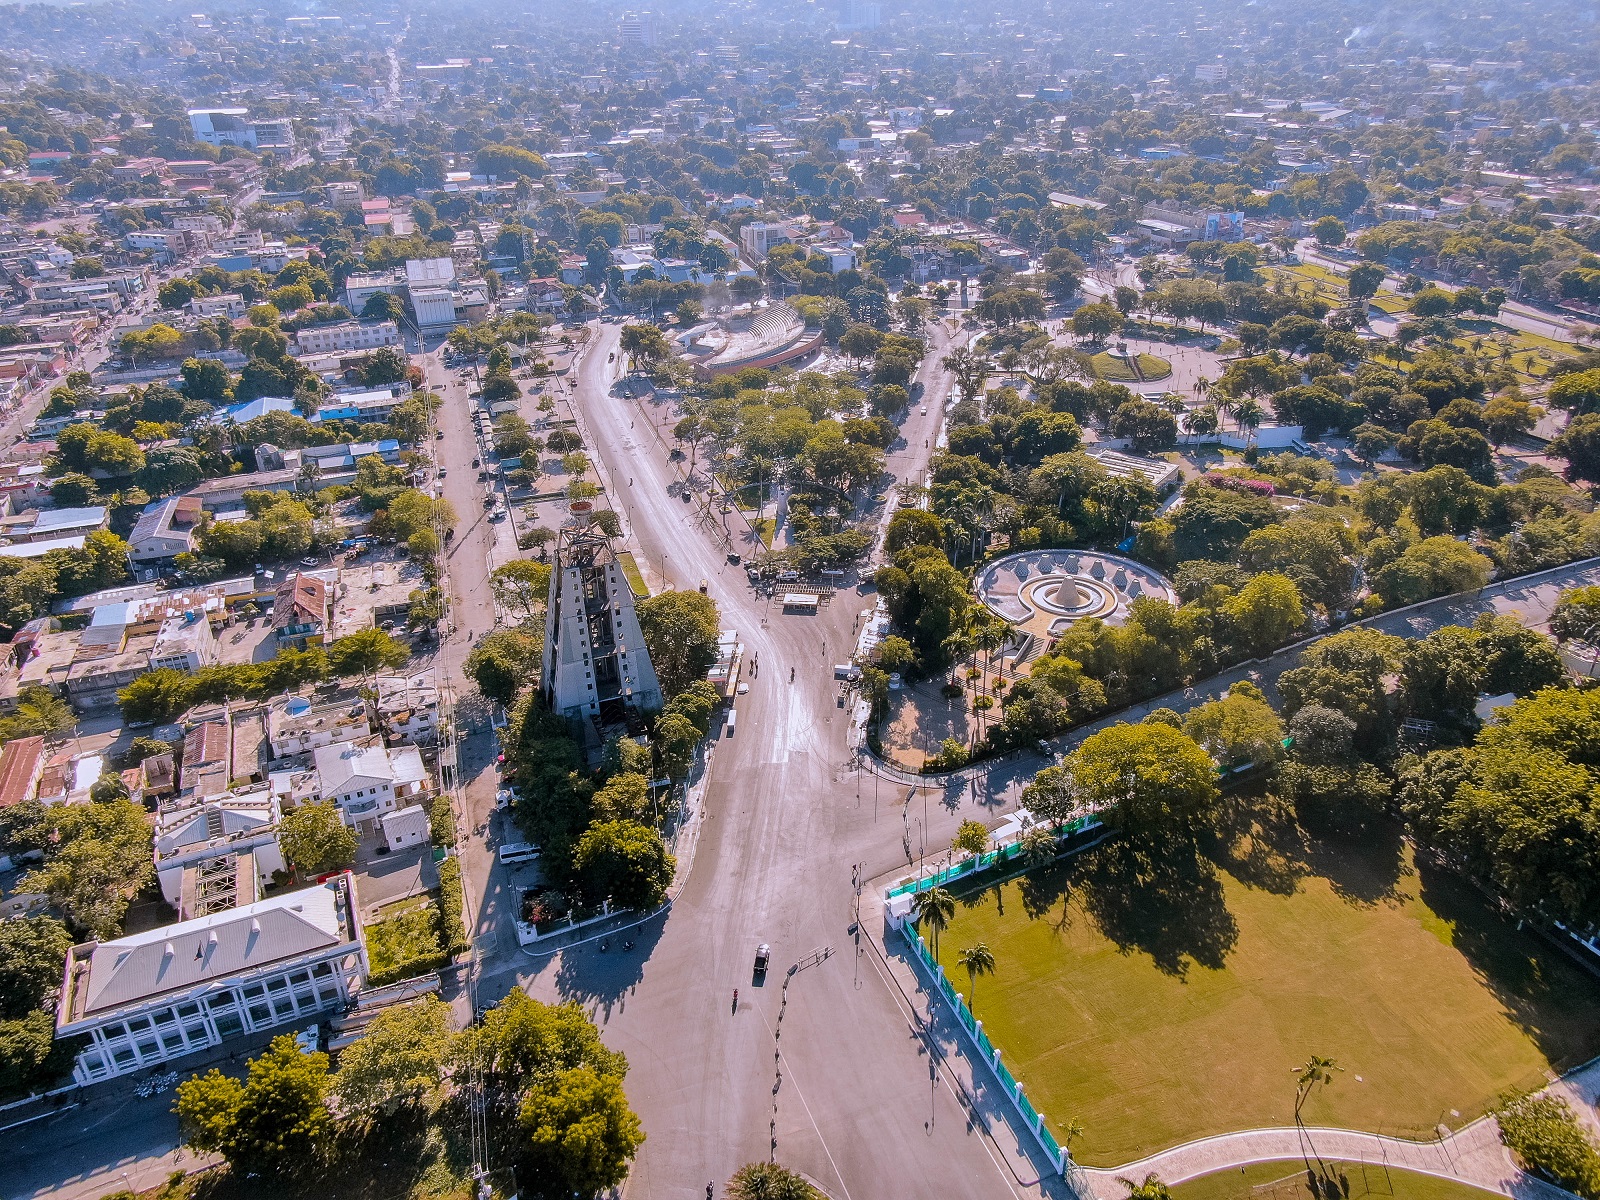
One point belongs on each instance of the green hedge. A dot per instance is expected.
(442, 822)
(406, 945)
(1543, 1132)
(410, 969)
(450, 907)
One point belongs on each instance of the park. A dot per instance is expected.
(1145, 999)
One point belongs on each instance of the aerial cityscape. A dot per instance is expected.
(789, 600)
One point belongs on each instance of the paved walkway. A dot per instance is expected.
(1473, 1154)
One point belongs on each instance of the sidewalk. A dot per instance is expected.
(973, 1083)
(1473, 1154)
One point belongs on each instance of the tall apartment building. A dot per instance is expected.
(637, 30)
(596, 667)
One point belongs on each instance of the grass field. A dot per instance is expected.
(630, 572)
(1115, 370)
(1156, 1003)
(1288, 1181)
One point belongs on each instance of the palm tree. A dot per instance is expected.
(1249, 414)
(1316, 1071)
(1038, 846)
(1151, 1189)
(989, 635)
(935, 908)
(978, 960)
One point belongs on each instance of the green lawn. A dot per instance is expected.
(1116, 370)
(1157, 1004)
(1288, 1181)
(630, 572)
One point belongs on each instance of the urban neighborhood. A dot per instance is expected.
(800, 601)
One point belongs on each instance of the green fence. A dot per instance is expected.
(989, 858)
(986, 1052)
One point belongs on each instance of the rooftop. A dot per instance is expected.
(102, 976)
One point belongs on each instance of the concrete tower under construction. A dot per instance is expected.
(596, 669)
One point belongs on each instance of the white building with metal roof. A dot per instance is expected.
(158, 995)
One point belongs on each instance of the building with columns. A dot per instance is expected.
(151, 997)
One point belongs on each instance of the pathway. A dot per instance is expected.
(1473, 1154)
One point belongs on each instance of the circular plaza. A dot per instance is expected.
(1043, 591)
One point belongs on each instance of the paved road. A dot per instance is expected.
(786, 819)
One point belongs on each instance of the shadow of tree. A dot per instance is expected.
(1363, 864)
(1261, 844)
(1548, 995)
(601, 980)
(1166, 902)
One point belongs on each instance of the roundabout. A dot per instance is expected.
(1044, 591)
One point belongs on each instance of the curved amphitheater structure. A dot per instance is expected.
(1043, 591)
(768, 338)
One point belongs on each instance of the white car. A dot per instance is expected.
(503, 798)
(923, 410)
(309, 1039)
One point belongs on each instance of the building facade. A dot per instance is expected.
(596, 667)
(348, 335)
(155, 996)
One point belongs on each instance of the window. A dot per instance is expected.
(138, 1024)
(229, 1024)
(188, 1010)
